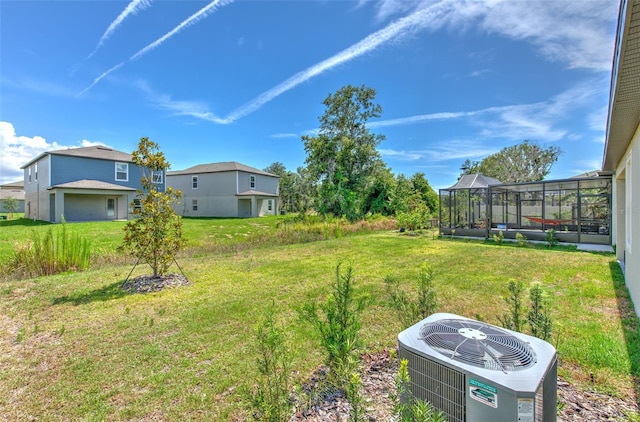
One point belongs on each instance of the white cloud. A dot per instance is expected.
(15, 151)
(284, 135)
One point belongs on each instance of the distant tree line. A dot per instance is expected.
(344, 174)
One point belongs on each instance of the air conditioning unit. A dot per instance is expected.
(477, 372)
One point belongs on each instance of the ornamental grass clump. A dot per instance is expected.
(53, 253)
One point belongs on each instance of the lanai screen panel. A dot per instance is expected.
(594, 206)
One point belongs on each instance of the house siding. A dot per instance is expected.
(46, 200)
(627, 216)
(217, 194)
(36, 197)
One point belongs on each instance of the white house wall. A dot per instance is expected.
(627, 217)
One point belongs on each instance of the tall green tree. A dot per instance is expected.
(154, 235)
(287, 185)
(427, 194)
(525, 162)
(342, 159)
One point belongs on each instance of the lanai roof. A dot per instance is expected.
(474, 181)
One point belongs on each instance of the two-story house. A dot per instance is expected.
(82, 184)
(228, 189)
(13, 190)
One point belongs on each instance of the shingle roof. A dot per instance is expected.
(91, 184)
(474, 181)
(97, 152)
(19, 184)
(218, 168)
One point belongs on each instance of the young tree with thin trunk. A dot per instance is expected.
(154, 235)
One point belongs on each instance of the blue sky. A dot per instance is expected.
(244, 80)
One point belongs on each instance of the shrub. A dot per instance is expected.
(498, 238)
(271, 399)
(539, 315)
(410, 311)
(514, 319)
(521, 239)
(337, 320)
(551, 238)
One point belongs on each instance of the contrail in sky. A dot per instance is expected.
(191, 20)
(416, 21)
(132, 8)
(99, 78)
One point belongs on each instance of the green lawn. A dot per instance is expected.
(73, 346)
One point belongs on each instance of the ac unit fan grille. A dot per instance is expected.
(478, 344)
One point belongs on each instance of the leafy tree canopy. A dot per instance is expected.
(525, 162)
(342, 159)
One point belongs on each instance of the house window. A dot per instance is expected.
(29, 171)
(137, 205)
(253, 182)
(270, 205)
(122, 172)
(194, 182)
(194, 204)
(35, 167)
(157, 177)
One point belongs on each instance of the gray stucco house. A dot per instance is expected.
(227, 189)
(82, 184)
(13, 190)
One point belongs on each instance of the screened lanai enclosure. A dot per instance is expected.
(577, 209)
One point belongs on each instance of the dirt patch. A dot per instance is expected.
(378, 380)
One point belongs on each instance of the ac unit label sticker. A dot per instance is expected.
(483, 393)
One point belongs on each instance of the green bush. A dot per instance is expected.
(551, 238)
(521, 239)
(498, 238)
(337, 320)
(271, 400)
(410, 311)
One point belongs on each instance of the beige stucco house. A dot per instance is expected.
(622, 146)
(227, 189)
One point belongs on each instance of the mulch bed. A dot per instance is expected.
(150, 283)
(378, 379)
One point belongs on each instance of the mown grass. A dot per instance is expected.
(74, 346)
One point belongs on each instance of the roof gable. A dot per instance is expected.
(219, 168)
(96, 152)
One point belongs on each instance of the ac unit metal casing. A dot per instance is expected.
(464, 382)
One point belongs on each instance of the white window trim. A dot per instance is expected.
(194, 179)
(252, 182)
(194, 205)
(157, 174)
(126, 179)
